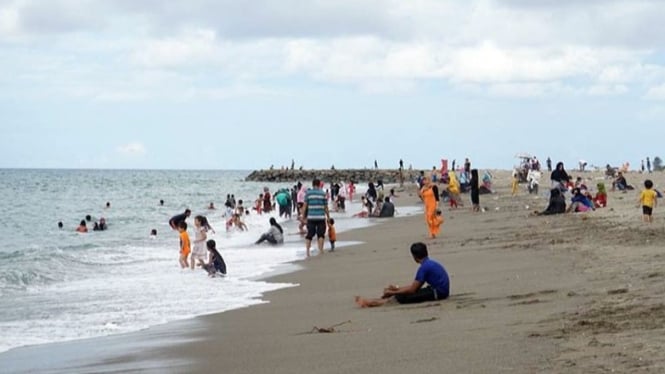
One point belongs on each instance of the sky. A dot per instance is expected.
(227, 84)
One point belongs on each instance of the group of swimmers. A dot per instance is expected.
(83, 225)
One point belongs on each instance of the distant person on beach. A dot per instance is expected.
(153, 233)
(579, 202)
(82, 227)
(430, 272)
(426, 193)
(108, 205)
(267, 200)
(161, 202)
(557, 203)
(174, 222)
(351, 189)
(600, 200)
(60, 225)
(648, 165)
(216, 262)
(88, 218)
(367, 208)
(388, 208)
(185, 247)
(332, 233)
(200, 236)
(258, 204)
(283, 199)
(316, 213)
(648, 199)
(236, 221)
(549, 164)
(560, 177)
(620, 183)
(371, 192)
(211, 206)
(274, 235)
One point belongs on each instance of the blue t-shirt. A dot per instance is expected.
(434, 274)
(316, 204)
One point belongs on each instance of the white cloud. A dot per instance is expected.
(132, 149)
(607, 90)
(656, 92)
(128, 51)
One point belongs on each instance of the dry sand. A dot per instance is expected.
(575, 293)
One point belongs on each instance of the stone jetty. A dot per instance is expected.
(356, 175)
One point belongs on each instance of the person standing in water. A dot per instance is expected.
(316, 214)
(185, 247)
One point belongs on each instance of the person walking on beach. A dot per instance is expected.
(648, 200)
(184, 244)
(427, 195)
(549, 164)
(429, 272)
(174, 222)
(315, 212)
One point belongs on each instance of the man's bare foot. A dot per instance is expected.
(362, 302)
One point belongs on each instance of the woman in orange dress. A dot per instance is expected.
(427, 194)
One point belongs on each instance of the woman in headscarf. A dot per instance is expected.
(556, 205)
(559, 177)
(600, 201)
(454, 190)
(427, 194)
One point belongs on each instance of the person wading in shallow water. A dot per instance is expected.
(315, 212)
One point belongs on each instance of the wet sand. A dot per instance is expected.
(576, 293)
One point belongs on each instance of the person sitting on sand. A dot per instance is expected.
(600, 200)
(580, 203)
(430, 272)
(274, 235)
(621, 184)
(557, 204)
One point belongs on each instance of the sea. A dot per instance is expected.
(59, 285)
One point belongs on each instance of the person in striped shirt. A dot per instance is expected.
(315, 212)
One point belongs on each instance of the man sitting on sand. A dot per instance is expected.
(430, 272)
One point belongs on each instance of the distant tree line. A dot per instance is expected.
(658, 164)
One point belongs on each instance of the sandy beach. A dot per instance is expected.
(574, 293)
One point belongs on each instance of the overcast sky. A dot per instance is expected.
(215, 84)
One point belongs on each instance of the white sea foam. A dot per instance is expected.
(62, 286)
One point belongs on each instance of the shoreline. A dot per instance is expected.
(123, 343)
(567, 293)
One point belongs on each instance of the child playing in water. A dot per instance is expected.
(648, 200)
(332, 234)
(184, 244)
(200, 236)
(216, 262)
